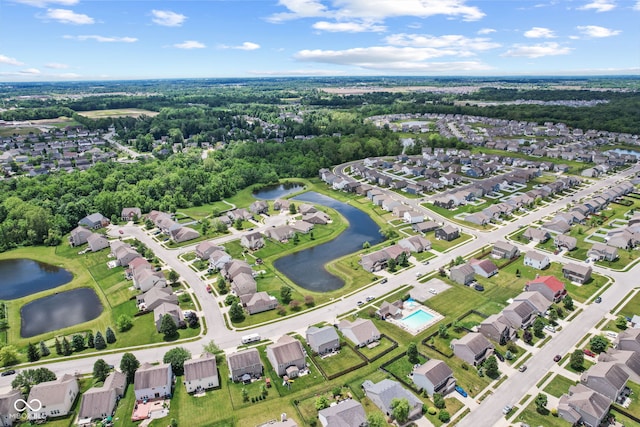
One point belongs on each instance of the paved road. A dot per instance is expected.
(126, 150)
(488, 413)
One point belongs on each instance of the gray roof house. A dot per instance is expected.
(287, 356)
(360, 332)
(497, 328)
(383, 392)
(153, 381)
(252, 241)
(434, 376)
(415, 244)
(261, 301)
(347, 413)
(244, 365)
(183, 234)
(483, 267)
(218, 259)
(100, 402)
(583, 405)
(57, 397)
(502, 249)
(79, 236)
(201, 374)
(205, 249)
(8, 412)
(607, 378)
(473, 348)
(94, 221)
(600, 251)
(462, 274)
(448, 233)
(172, 310)
(627, 360)
(577, 272)
(323, 340)
(519, 314)
(536, 234)
(97, 242)
(129, 214)
(564, 241)
(628, 340)
(536, 260)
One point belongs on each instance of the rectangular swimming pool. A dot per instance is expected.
(417, 320)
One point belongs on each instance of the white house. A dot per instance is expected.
(57, 397)
(201, 374)
(536, 260)
(153, 381)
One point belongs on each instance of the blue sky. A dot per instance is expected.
(43, 40)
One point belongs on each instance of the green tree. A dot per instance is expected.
(538, 326)
(292, 208)
(527, 336)
(285, 294)
(168, 327)
(66, 347)
(111, 337)
(176, 358)
(174, 422)
(444, 415)
(77, 342)
(567, 301)
(391, 265)
(32, 353)
(100, 343)
(90, 340)
(124, 323)
(621, 322)
(412, 353)
(44, 350)
(366, 245)
(211, 347)
(222, 286)
(491, 367)
(598, 344)
(553, 316)
(100, 370)
(577, 360)
(58, 347)
(438, 400)
(400, 410)
(236, 313)
(27, 378)
(173, 277)
(263, 390)
(205, 225)
(237, 224)
(541, 403)
(322, 402)
(129, 365)
(376, 419)
(8, 355)
(245, 394)
(442, 331)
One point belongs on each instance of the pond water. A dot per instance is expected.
(272, 192)
(59, 311)
(623, 151)
(306, 268)
(22, 277)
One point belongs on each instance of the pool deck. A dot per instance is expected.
(411, 308)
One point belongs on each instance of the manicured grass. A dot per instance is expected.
(632, 307)
(558, 386)
(120, 112)
(307, 407)
(336, 363)
(533, 418)
(383, 345)
(585, 366)
(634, 407)
(443, 245)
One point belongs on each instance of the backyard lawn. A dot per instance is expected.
(558, 386)
(339, 362)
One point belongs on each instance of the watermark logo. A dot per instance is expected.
(22, 405)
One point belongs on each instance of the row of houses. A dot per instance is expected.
(378, 260)
(167, 225)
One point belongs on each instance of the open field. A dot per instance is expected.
(120, 112)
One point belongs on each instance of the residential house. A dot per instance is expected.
(154, 297)
(123, 253)
(281, 205)
(259, 302)
(259, 207)
(535, 234)
(447, 233)
(146, 279)
(281, 233)
(323, 340)
(301, 226)
(563, 241)
(483, 267)
(425, 227)
(130, 214)
(346, 413)
(497, 328)
(536, 260)
(56, 397)
(549, 286)
(556, 226)
(244, 365)
(462, 274)
(287, 356)
(519, 314)
(8, 412)
(478, 218)
(577, 272)
(172, 310)
(318, 218)
(504, 250)
(306, 208)
(235, 267)
(244, 284)
(201, 374)
(600, 251)
(607, 378)
(153, 381)
(79, 236)
(205, 249)
(434, 376)
(583, 405)
(360, 332)
(183, 234)
(99, 403)
(413, 217)
(97, 242)
(390, 309)
(627, 360)
(252, 241)
(415, 244)
(628, 340)
(538, 302)
(473, 348)
(218, 259)
(94, 221)
(383, 392)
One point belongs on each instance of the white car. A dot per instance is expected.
(550, 328)
(433, 291)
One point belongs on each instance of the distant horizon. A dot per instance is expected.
(80, 40)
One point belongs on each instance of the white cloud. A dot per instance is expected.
(597, 31)
(167, 18)
(68, 75)
(484, 31)
(190, 44)
(45, 3)
(296, 73)
(243, 46)
(376, 10)
(464, 45)
(56, 66)
(9, 61)
(539, 33)
(537, 50)
(599, 5)
(66, 16)
(103, 39)
(30, 71)
(637, 5)
(349, 27)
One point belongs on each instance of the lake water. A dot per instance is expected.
(273, 192)
(306, 268)
(623, 151)
(59, 311)
(22, 277)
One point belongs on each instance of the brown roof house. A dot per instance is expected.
(261, 301)
(205, 249)
(79, 236)
(172, 310)
(390, 309)
(502, 249)
(497, 328)
(323, 340)
(607, 378)
(434, 376)
(287, 356)
(628, 340)
(383, 392)
(583, 405)
(244, 365)
(577, 272)
(415, 244)
(360, 332)
(462, 274)
(252, 241)
(56, 397)
(153, 381)
(483, 267)
(201, 374)
(97, 242)
(100, 402)
(564, 241)
(600, 251)
(130, 214)
(473, 348)
(536, 235)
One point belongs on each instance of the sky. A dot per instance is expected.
(49, 40)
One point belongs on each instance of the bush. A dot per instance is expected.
(444, 416)
(464, 366)
(554, 412)
(432, 410)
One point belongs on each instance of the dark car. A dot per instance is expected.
(598, 300)
(478, 287)
(7, 373)
(557, 358)
(499, 356)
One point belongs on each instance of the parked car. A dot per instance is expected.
(7, 373)
(478, 287)
(522, 368)
(425, 262)
(433, 291)
(557, 358)
(370, 298)
(550, 328)
(588, 352)
(598, 300)
(461, 391)
(384, 280)
(499, 356)
(120, 231)
(507, 409)
(359, 303)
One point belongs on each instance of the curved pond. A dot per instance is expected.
(59, 311)
(306, 268)
(272, 192)
(22, 277)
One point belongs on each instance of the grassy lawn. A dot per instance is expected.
(585, 366)
(383, 345)
(401, 368)
(336, 363)
(443, 245)
(584, 292)
(533, 418)
(558, 386)
(634, 407)
(632, 307)
(307, 407)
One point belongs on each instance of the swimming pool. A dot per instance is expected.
(417, 320)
